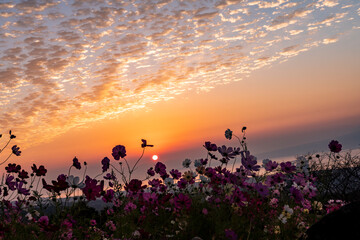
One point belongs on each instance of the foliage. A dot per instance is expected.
(208, 199)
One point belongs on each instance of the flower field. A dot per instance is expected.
(204, 199)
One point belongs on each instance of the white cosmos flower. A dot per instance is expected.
(74, 182)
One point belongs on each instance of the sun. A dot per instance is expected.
(155, 157)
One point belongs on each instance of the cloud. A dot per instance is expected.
(68, 63)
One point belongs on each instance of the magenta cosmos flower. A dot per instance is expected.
(335, 146)
(182, 201)
(91, 189)
(118, 152)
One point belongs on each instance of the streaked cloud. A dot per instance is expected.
(68, 63)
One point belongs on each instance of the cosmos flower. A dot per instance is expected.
(151, 172)
(270, 165)
(15, 150)
(41, 171)
(144, 144)
(175, 173)
(74, 182)
(13, 168)
(210, 146)
(249, 161)
(335, 146)
(228, 134)
(76, 163)
(105, 164)
(186, 163)
(287, 167)
(182, 201)
(118, 152)
(92, 190)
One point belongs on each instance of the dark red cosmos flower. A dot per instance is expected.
(76, 163)
(144, 144)
(160, 167)
(151, 172)
(41, 171)
(175, 173)
(182, 201)
(210, 146)
(59, 185)
(134, 186)
(23, 174)
(108, 196)
(105, 164)
(92, 190)
(13, 168)
(119, 152)
(15, 150)
(335, 146)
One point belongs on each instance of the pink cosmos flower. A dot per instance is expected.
(93, 222)
(205, 211)
(129, 207)
(44, 220)
(150, 198)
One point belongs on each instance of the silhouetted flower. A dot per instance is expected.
(59, 185)
(226, 152)
(109, 176)
(144, 144)
(41, 171)
(22, 190)
(15, 150)
(134, 186)
(23, 174)
(13, 168)
(76, 163)
(228, 134)
(204, 161)
(210, 146)
(160, 168)
(10, 183)
(249, 161)
(151, 172)
(119, 152)
(175, 174)
(92, 190)
(186, 163)
(335, 146)
(105, 164)
(270, 165)
(287, 167)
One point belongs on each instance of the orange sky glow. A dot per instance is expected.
(78, 78)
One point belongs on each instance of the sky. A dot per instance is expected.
(78, 77)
